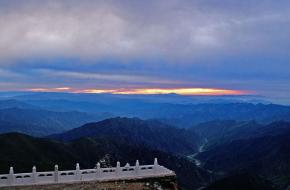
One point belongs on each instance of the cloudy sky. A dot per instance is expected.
(104, 46)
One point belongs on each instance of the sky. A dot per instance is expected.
(154, 46)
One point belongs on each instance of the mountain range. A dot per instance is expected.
(212, 144)
(182, 111)
(262, 158)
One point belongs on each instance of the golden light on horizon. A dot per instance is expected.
(147, 91)
(180, 91)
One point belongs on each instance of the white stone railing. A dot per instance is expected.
(98, 173)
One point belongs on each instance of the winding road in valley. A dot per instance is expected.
(200, 149)
(197, 161)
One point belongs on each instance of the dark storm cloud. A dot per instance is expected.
(130, 29)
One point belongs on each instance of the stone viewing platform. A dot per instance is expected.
(98, 174)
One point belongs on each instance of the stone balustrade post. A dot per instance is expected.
(156, 166)
(56, 176)
(11, 176)
(98, 172)
(78, 172)
(34, 174)
(118, 169)
(137, 168)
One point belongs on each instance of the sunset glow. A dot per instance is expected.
(181, 91)
(148, 91)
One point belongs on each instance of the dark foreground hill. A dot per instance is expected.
(234, 147)
(153, 134)
(266, 156)
(244, 181)
(22, 152)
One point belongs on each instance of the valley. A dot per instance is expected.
(199, 150)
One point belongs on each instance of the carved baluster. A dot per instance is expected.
(137, 168)
(11, 176)
(118, 169)
(56, 176)
(34, 174)
(98, 173)
(156, 166)
(78, 172)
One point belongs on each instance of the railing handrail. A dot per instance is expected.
(98, 173)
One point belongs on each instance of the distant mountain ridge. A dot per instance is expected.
(152, 133)
(226, 131)
(11, 103)
(40, 122)
(182, 111)
(189, 115)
